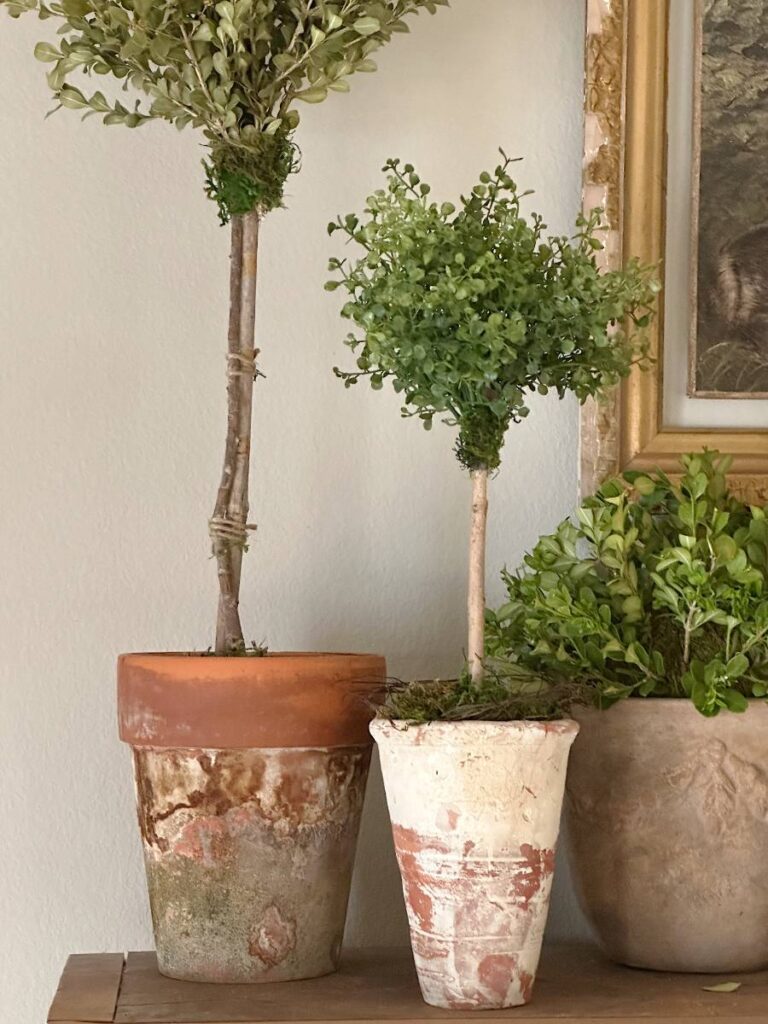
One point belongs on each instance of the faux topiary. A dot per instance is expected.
(236, 70)
(658, 588)
(466, 309)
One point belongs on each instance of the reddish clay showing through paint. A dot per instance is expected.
(475, 809)
(273, 938)
(409, 845)
(205, 840)
(526, 981)
(538, 865)
(496, 973)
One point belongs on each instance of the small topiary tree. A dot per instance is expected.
(234, 69)
(468, 310)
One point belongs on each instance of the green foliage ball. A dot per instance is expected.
(467, 309)
(233, 68)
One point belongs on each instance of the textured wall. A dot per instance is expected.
(113, 276)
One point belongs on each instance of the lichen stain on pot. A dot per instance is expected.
(234, 841)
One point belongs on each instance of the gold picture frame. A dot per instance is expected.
(625, 173)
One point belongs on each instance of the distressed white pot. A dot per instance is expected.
(475, 809)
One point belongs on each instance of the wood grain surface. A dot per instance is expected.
(575, 983)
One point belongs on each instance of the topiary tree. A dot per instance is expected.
(234, 69)
(468, 310)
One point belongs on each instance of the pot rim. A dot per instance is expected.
(306, 700)
(244, 657)
(441, 733)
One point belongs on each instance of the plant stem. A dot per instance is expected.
(687, 631)
(476, 589)
(229, 525)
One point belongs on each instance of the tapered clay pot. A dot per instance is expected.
(250, 777)
(475, 809)
(667, 816)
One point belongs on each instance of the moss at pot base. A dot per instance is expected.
(667, 823)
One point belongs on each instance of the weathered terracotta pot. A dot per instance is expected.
(667, 816)
(475, 809)
(250, 777)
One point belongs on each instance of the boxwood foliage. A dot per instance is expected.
(235, 69)
(658, 588)
(468, 309)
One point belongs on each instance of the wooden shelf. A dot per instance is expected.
(575, 983)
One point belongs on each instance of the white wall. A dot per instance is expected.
(113, 273)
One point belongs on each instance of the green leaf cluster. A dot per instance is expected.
(659, 588)
(468, 309)
(233, 68)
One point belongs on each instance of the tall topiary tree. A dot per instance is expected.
(468, 310)
(236, 70)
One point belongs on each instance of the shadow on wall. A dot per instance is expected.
(381, 921)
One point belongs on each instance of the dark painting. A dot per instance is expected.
(730, 333)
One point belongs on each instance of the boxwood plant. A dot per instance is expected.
(467, 309)
(236, 70)
(659, 588)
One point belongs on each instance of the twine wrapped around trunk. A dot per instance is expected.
(228, 526)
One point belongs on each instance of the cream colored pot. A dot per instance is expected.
(667, 816)
(475, 809)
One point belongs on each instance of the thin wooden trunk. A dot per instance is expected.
(229, 524)
(476, 589)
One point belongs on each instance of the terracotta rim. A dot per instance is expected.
(197, 701)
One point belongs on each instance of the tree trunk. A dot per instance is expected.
(476, 590)
(229, 524)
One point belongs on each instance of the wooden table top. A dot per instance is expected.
(574, 983)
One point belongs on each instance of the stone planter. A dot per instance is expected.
(475, 809)
(250, 778)
(667, 816)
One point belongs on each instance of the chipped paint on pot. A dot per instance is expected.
(475, 809)
(249, 857)
(667, 820)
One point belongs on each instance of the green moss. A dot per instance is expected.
(506, 694)
(240, 180)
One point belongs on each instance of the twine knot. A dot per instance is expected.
(242, 364)
(229, 531)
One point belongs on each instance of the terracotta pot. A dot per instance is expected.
(250, 777)
(667, 817)
(475, 809)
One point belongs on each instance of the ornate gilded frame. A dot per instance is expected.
(624, 172)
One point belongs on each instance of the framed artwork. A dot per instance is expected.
(676, 151)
